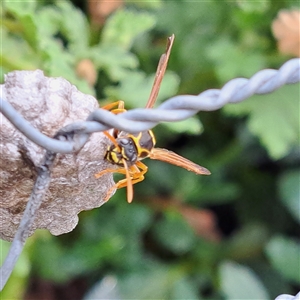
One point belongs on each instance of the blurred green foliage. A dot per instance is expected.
(251, 148)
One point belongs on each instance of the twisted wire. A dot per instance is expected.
(73, 136)
(174, 109)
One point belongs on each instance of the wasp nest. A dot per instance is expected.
(48, 104)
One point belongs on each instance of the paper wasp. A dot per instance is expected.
(127, 150)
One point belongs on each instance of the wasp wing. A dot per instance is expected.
(160, 72)
(177, 160)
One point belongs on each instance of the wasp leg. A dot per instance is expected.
(114, 105)
(112, 137)
(116, 108)
(120, 170)
(118, 185)
(136, 173)
(142, 170)
(115, 186)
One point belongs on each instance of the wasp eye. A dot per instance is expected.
(124, 142)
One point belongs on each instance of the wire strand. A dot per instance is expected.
(174, 109)
(73, 136)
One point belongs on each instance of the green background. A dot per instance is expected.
(245, 243)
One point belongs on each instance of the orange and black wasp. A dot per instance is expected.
(127, 150)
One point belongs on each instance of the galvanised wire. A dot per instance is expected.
(36, 199)
(136, 120)
(174, 109)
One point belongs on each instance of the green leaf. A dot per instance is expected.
(17, 283)
(24, 11)
(254, 6)
(191, 126)
(240, 282)
(85, 256)
(114, 60)
(136, 86)
(45, 256)
(150, 284)
(58, 62)
(12, 58)
(184, 289)
(75, 28)
(20, 7)
(289, 190)
(274, 118)
(49, 256)
(247, 242)
(284, 255)
(146, 4)
(225, 193)
(124, 26)
(230, 60)
(30, 28)
(136, 217)
(174, 233)
(155, 281)
(49, 22)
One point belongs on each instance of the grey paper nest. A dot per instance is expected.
(48, 104)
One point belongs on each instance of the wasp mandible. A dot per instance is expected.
(127, 150)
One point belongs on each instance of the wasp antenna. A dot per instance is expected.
(111, 138)
(129, 182)
(160, 72)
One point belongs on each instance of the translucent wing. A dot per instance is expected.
(160, 72)
(177, 160)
